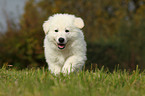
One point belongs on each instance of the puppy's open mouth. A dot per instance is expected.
(61, 46)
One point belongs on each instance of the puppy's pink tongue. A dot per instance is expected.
(61, 46)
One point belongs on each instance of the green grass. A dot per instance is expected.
(39, 82)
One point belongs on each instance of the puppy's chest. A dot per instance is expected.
(62, 57)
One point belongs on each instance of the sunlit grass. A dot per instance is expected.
(40, 82)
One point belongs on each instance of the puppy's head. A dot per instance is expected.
(62, 29)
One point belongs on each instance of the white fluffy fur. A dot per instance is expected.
(73, 56)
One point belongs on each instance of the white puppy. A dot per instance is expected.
(64, 45)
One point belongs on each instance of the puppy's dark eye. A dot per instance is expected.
(56, 30)
(66, 30)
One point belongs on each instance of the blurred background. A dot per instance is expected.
(114, 31)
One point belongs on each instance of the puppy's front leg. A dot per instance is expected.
(55, 69)
(73, 63)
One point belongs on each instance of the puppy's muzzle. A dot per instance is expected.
(61, 44)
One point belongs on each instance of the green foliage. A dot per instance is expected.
(126, 48)
(114, 33)
(39, 82)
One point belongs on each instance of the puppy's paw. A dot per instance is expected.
(55, 70)
(67, 69)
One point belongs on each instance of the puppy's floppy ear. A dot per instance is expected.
(46, 26)
(78, 22)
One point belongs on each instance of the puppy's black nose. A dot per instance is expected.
(61, 40)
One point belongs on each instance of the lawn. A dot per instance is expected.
(39, 82)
